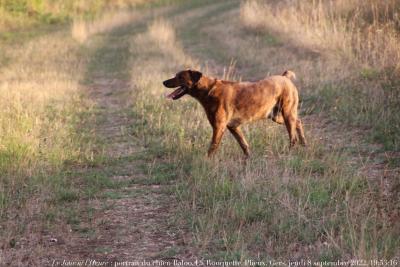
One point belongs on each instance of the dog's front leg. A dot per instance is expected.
(218, 132)
(237, 133)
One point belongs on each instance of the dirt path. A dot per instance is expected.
(138, 225)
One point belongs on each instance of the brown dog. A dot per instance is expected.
(229, 104)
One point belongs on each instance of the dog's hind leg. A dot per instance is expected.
(299, 127)
(290, 123)
(300, 132)
(276, 114)
(290, 116)
(237, 133)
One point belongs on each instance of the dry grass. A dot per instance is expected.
(163, 41)
(40, 84)
(40, 119)
(82, 29)
(365, 31)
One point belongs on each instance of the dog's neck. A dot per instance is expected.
(206, 83)
(202, 89)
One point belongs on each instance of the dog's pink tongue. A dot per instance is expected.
(170, 96)
(174, 93)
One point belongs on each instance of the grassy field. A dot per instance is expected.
(83, 105)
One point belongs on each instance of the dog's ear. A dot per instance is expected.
(195, 76)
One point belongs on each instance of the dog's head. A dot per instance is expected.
(185, 80)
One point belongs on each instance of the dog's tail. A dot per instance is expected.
(289, 74)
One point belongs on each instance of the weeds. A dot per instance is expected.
(365, 31)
